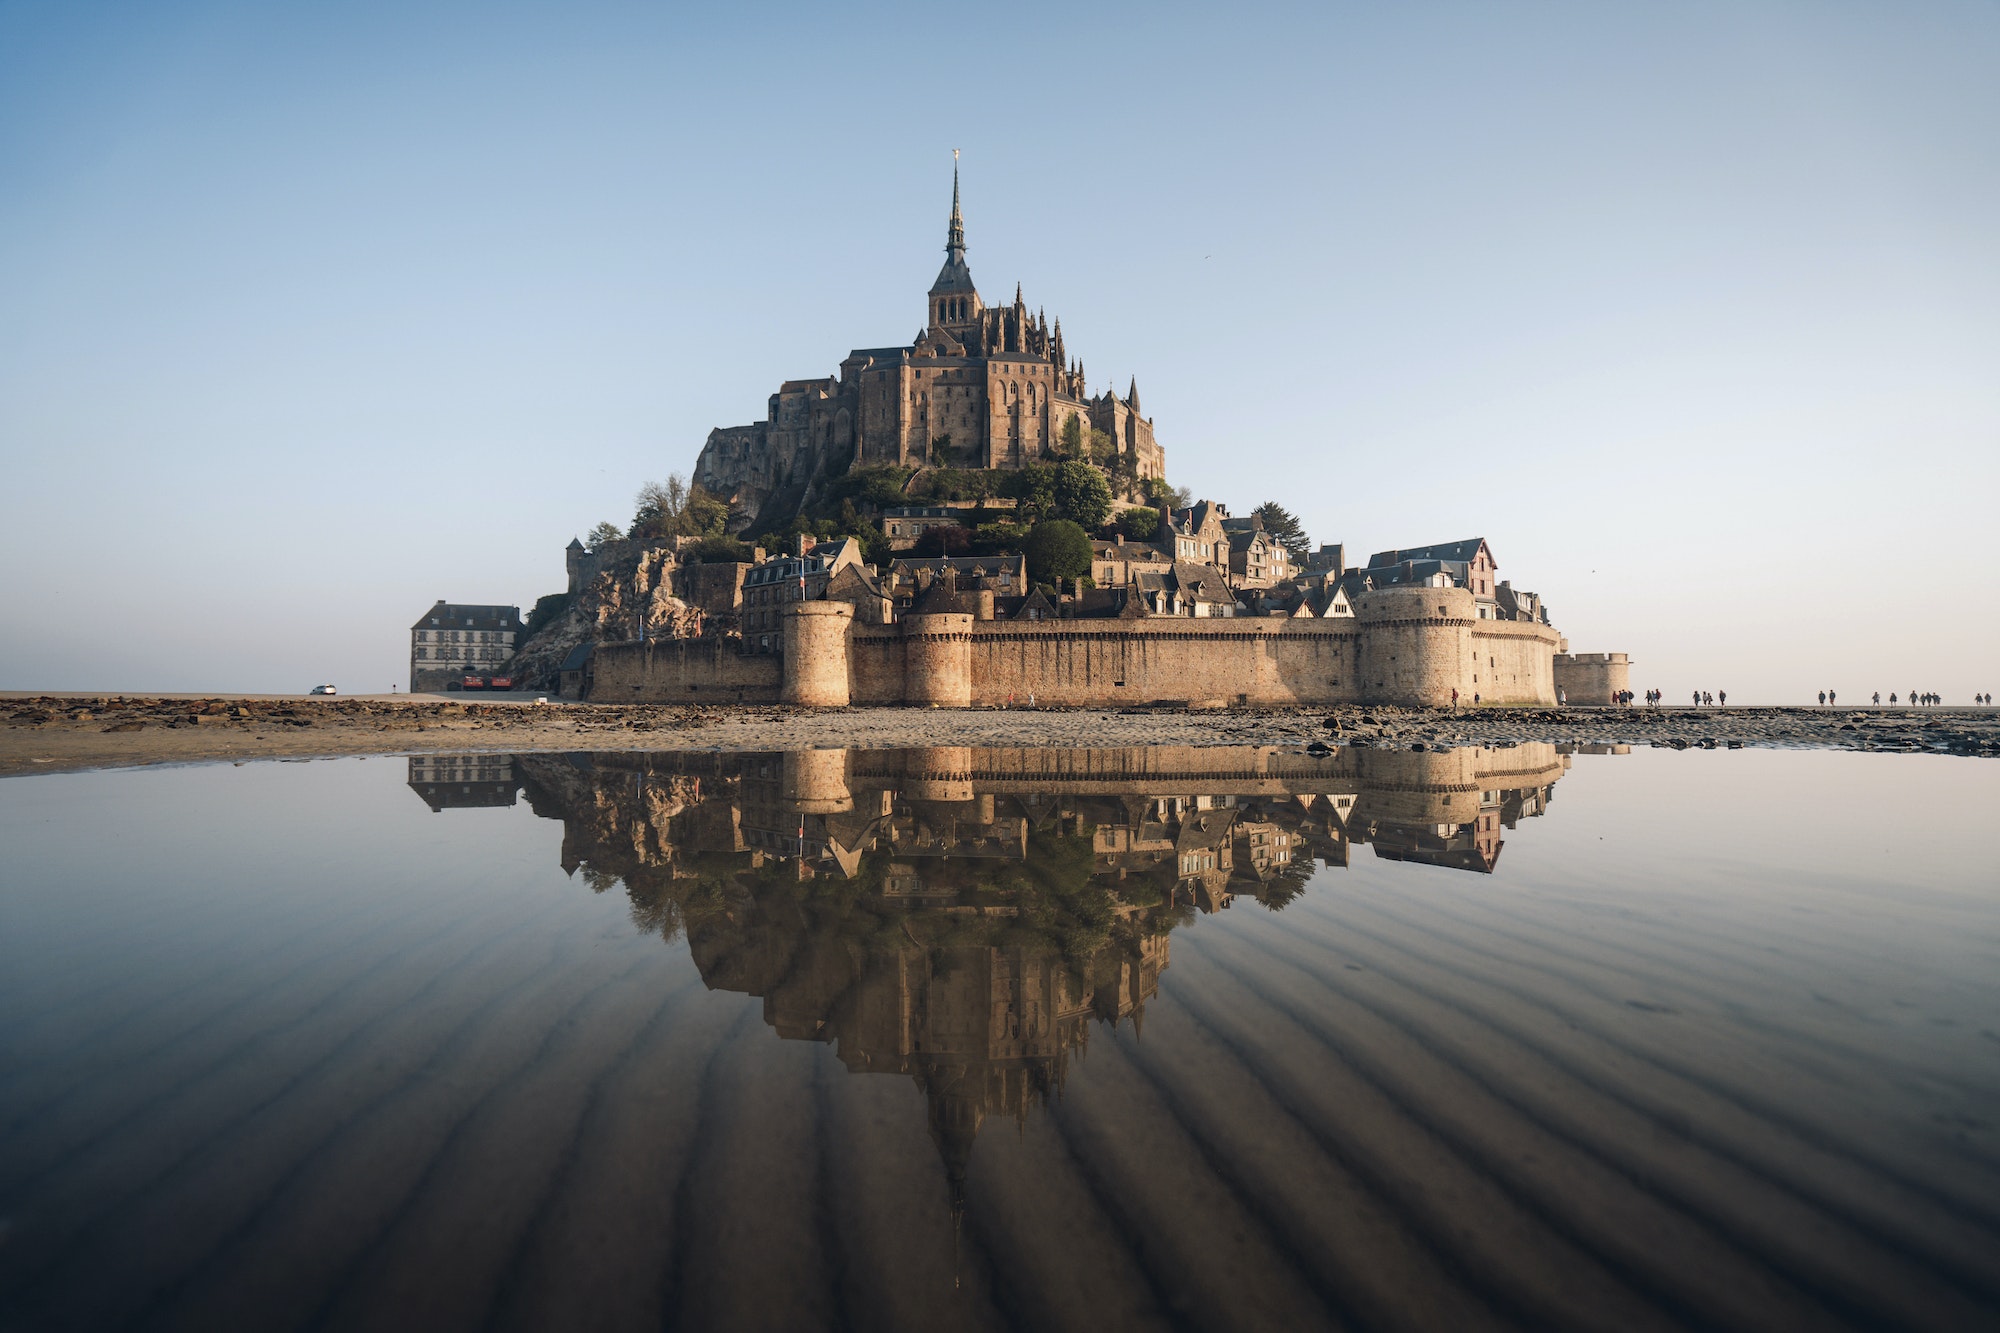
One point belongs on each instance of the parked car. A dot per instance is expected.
(322, 689)
(499, 682)
(472, 682)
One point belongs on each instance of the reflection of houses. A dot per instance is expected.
(459, 781)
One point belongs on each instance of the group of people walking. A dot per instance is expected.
(1705, 699)
(1925, 700)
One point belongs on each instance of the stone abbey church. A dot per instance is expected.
(981, 386)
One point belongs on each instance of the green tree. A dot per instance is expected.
(1033, 487)
(1177, 497)
(716, 550)
(1284, 527)
(875, 547)
(1071, 436)
(1103, 448)
(1138, 525)
(657, 507)
(1058, 549)
(876, 487)
(672, 508)
(1081, 494)
(994, 538)
(704, 516)
(602, 533)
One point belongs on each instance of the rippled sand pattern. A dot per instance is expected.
(300, 1076)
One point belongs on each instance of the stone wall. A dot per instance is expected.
(715, 586)
(1591, 678)
(1123, 661)
(682, 671)
(1513, 662)
(875, 657)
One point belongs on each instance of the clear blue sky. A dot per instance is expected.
(315, 314)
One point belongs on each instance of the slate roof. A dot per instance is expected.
(894, 355)
(973, 566)
(953, 277)
(937, 600)
(1033, 602)
(467, 615)
(1204, 583)
(1461, 551)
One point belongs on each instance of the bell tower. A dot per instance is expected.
(954, 301)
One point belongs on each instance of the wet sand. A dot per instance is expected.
(51, 733)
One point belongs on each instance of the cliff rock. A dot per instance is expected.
(633, 593)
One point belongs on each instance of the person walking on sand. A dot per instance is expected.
(1454, 698)
(1831, 697)
(1822, 698)
(1722, 698)
(1697, 698)
(1878, 698)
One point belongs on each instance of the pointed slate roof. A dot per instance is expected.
(954, 277)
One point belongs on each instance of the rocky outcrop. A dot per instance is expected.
(633, 592)
(763, 473)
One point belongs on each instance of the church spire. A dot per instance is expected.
(1132, 396)
(954, 240)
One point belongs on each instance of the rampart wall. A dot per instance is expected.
(683, 671)
(1245, 661)
(1410, 646)
(1513, 662)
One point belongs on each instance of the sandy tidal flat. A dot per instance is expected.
(50, 733)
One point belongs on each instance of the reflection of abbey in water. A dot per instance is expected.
(961, 915)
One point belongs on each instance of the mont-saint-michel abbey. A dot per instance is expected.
(982, 386)
(878, 538)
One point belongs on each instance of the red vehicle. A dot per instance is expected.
(472, 683)
(499, 682)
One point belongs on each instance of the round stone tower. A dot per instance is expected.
(814, 782)
(937, 660)
(815, 672)
(1416, 645)
(940, 773)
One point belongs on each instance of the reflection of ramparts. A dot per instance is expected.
(962, 915)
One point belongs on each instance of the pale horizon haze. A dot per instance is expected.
(316, 314)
